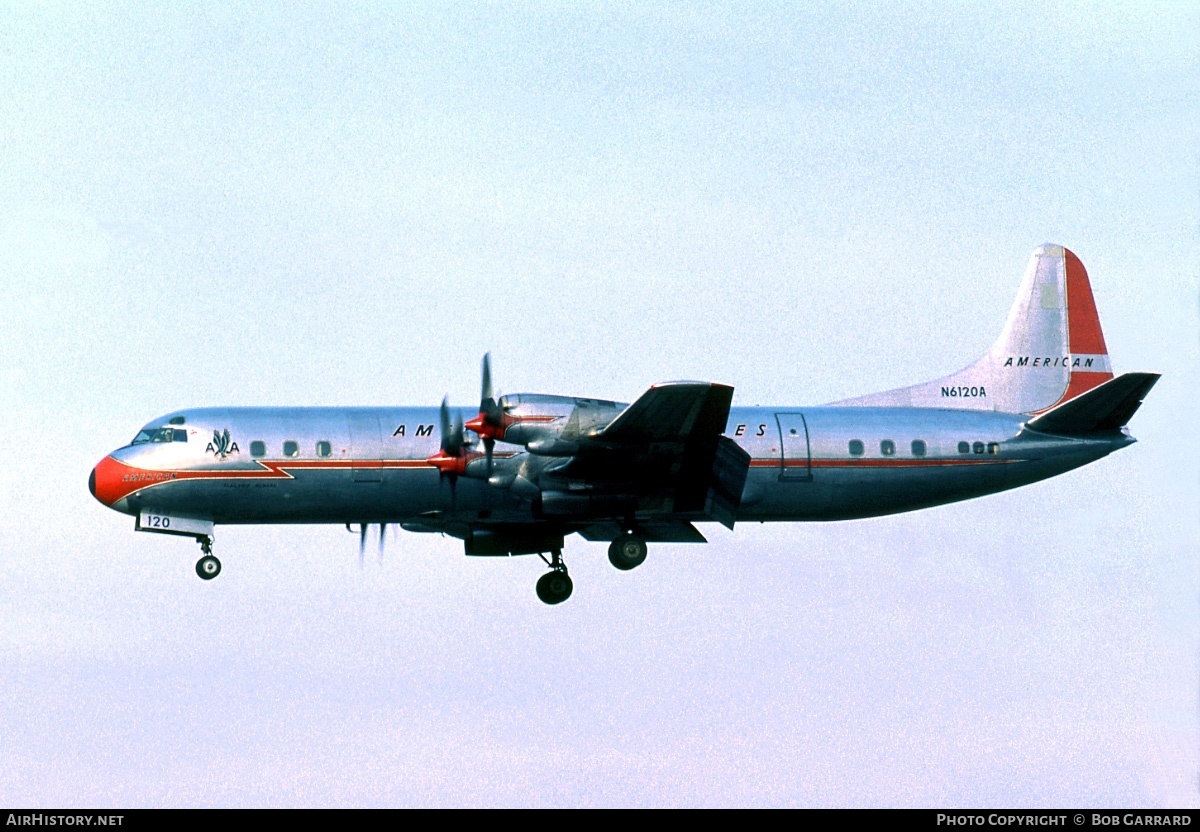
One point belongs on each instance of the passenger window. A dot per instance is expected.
(977, 447)
(993, 447)
(856, 447)
(887, 447)
(918, 447)
(179, 436)
(324, 448)
(964, 447)
(291, 448)
(258, 448)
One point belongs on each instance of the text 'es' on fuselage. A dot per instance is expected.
(528, 470)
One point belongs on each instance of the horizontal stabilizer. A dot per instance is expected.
(1107, 407)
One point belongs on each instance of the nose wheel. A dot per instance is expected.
(208, 567)
(555, 586)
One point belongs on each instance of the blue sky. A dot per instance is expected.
(350, 205)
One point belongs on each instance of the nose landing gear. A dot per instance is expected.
(208, 567)
(555, 586)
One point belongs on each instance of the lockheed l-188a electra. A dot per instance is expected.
(528, 470)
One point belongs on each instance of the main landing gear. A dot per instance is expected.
(555, 586)
(208, 567)
(627, 551)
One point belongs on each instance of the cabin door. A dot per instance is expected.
(795, 459)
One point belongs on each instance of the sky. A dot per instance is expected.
(349, 204)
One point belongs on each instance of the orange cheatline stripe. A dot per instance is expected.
(878, 463)
(116, 480)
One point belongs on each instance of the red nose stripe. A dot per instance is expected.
(112, 480)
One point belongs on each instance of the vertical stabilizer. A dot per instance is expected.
(1050, 351)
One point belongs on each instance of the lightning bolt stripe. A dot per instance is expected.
(115, 479)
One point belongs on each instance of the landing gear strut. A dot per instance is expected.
(627, 551)
(208, 567)
(555, 586)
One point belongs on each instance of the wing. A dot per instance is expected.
(666, 451)
(675, 411)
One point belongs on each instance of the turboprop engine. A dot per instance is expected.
(548, 430)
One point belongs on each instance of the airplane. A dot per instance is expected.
(528, 470)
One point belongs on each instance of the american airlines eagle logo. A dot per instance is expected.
(221, 445)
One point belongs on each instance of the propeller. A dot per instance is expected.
(490, 422)
(451, 460)
(362, 540)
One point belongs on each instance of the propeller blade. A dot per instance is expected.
(489, 444)
(487, 402)
(488, 405)
(452, 433)
(382, 538)
(362, 543)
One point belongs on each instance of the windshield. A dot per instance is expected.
(159, 435)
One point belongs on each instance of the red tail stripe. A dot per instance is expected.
(1084, 336)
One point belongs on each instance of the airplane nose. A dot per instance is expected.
(105, 481)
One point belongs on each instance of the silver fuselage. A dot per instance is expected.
(369, 465)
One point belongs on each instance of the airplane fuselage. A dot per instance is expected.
(370, 465)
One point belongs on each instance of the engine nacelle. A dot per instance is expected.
(539, 418)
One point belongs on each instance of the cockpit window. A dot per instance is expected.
(159, 435)
(176, 420)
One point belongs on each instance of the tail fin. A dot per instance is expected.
(1050, 351)
(1107, 407)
